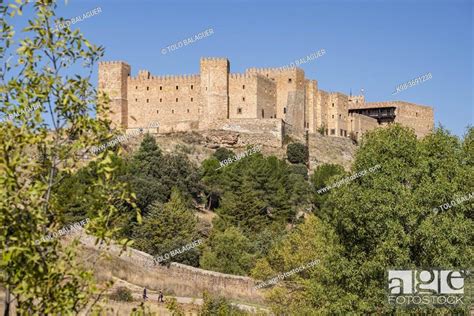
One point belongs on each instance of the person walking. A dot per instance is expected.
(144, 294)
(160, 297)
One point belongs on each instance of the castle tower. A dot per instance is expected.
(214, 91)
(113, 76)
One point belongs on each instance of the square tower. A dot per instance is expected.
(113, 77)
(214, 91)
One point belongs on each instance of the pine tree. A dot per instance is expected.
(169, 227)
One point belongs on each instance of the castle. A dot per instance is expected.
(268, 103)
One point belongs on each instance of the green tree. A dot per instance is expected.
(152, 175)
(312, 246)
(48, 111)
(227, 252)
(297, 153)
(323, 176)
(167, 228)
(385, 219)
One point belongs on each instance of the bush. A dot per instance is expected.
(322, 130)
(218, 306)
(223, 153)
(353, 137)
(173, 306)
(297, 153)
(300, 169)
(122, 294)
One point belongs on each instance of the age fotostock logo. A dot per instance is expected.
(426, 287)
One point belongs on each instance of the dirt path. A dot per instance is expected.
(137, 293)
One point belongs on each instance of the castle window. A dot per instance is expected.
(176, 99)
(263, 113)
(339, 115)
(147, 88)
(157, 111)
(289, 80)
(345, 133)
(161, 100)
(206, 88)
(333, 105)
(161, 88)
(416, 114)
(136, 87)
(239, 110)
(136, 100)
(176, 87)
(172, 111)
(192, 99)
(188, 111)
(243, 87)
(333, 116)
(147, 100)
(333, 131)
(243, 99)
(341, 132)
(192, 87)
(284, 110)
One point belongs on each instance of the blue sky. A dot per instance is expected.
(370, 45)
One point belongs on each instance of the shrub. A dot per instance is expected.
(297, 153)
(300, 169)
(122, 294)
(322, 130)
(353, 137)
(218, 306)
(173, 306)
(223, 153)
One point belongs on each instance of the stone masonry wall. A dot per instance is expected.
(242, 96)
(207, 100)
(360, 124)
(168, 100)
(136, 267)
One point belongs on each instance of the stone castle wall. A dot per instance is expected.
(360, 124)
(209, 99)
(137, 267)
(168, 100)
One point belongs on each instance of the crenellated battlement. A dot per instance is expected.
(113, 62)
(222, 59)
(171, 78)
(240, 76)
(273, 70)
